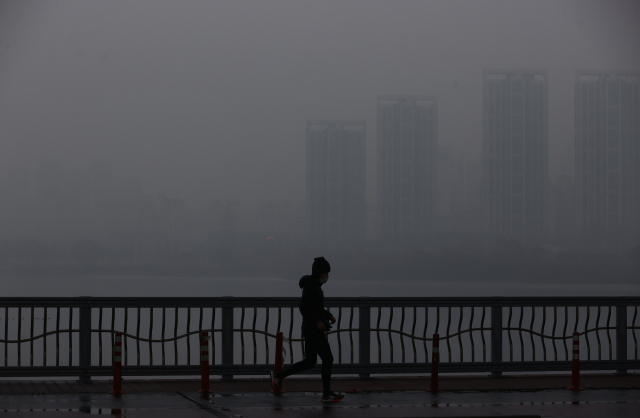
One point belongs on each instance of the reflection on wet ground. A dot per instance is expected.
(596, 403)
(547, 403)
(131, 413)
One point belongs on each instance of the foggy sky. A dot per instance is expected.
(204, 99)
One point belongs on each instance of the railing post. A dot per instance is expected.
(227, 340)
(435, 360)
(117, 365)
(496, 338)
(279, 360)
(575, 363)
(204, 363)
(621, 336)
(85, 340)
(364, 338)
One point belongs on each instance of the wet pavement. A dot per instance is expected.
(549, 403)
(135, 405)
(544, 403)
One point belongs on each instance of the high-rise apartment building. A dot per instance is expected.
(514, 152)
(607, 151)
(407, 166)
(336, 181)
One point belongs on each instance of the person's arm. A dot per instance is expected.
(329, 317)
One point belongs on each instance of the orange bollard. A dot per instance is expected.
(279, 358)
(117, 365)
(204, 363)
(575, 364)
(435, 359)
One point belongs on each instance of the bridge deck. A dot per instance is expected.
(403, 383)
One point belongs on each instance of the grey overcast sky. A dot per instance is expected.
(206, 99)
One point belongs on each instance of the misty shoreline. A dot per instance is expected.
(513, 266)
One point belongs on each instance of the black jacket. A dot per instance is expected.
(312, 303)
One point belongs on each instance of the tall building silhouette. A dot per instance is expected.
(563, 197)
(607, 151)
(407, 160)
(336, 181)
(514, 152)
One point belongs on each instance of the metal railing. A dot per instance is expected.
(75, 336)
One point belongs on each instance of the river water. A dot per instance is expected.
(139, 286)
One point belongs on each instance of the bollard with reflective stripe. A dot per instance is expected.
(575, 364)
(279, 358)
(117, 365)
(435, 359)
(204, 363)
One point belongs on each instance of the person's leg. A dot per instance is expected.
(311, 351)
(324, 351)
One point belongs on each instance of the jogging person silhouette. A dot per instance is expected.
(315, 321)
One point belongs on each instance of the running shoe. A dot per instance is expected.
(332, 397)
(275, 383)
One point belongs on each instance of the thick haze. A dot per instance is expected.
(204, 100)
(158, 148)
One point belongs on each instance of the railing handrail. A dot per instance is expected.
(363, 301)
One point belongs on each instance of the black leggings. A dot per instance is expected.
(315, 344)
